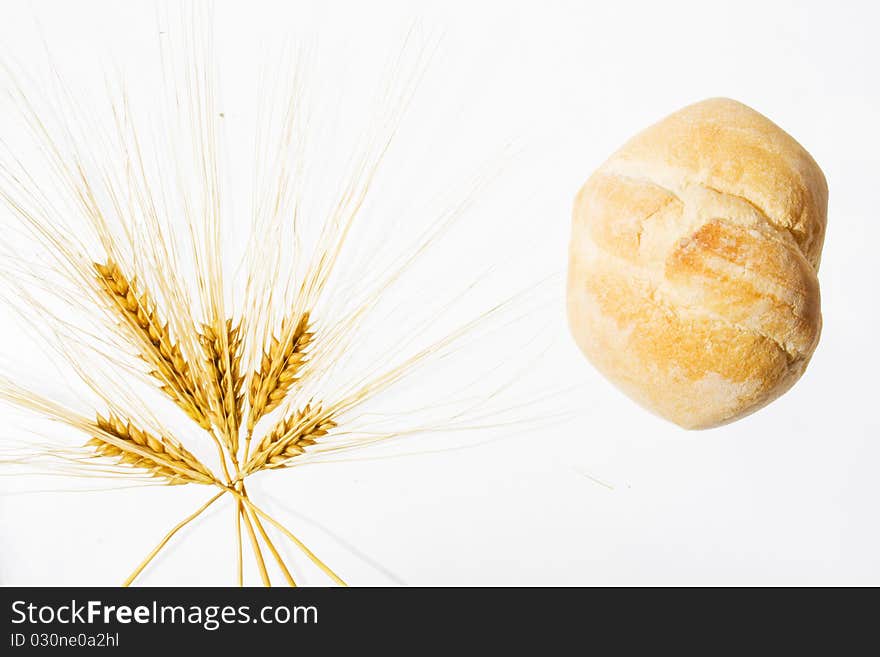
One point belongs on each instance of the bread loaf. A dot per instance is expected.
(692, 268)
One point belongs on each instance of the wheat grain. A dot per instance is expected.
(289, 438)
(161, 457)
(224, 361)
(161, 351)
(279, 367)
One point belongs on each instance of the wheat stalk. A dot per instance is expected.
(279, 367)
(138, 313)
(160, 457)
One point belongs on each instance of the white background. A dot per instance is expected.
(614, 496)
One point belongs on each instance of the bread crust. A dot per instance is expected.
(692, 266)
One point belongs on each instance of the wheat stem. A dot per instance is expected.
(247, 446)
(168, 537)
(272, 549)
(311, 555)
(239, 510)
(221, 454)
(258, 554)
(238, 553)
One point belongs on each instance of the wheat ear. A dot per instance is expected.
(224, 362)
(161, 457)
(160, 350)
(289, 438)
(279, 367)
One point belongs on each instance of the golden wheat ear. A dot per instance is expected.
(139, 316)
(160, 457)
(279, 367)
(223, 351)
(289, 438)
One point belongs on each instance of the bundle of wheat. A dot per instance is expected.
(259, 382)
